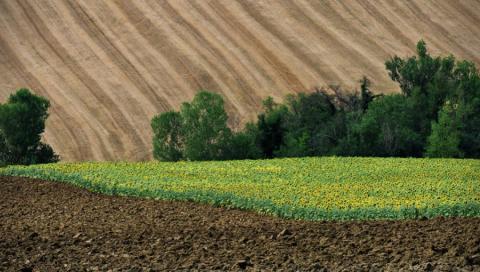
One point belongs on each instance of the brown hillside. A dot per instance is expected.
(109, 66)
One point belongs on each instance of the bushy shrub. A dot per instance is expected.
(444, 140)
(168, 139)
(244, 144)
(22, 121)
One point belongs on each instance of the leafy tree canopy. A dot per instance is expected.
(22, 121)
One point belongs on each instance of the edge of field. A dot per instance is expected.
(262, 206)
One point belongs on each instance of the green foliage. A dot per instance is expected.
(5, 153)
(168, 142)
(44, 154)
(353, 141)
(244, 144)
(322, 123)
(205, 127)
(429, 82)
(467, 96)
(469, 128)
(200, 132)
(387, 128)
(310, 129)
(295, 145)
(366, 95)
(22, 121)
(271, 127)
(445, 138)
(416, 72)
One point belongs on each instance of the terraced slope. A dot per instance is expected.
(109, 66)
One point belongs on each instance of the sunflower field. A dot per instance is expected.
(326, 188)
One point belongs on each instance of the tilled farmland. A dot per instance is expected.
(48, 226)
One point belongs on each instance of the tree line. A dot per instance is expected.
(437, 114)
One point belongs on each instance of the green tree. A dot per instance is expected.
(22, 121)
(350, 144)
(295, 146)
(205, 129)
(349, 115)
(244, 144)
(168, 142)
(445, 138)
(5, 154)
(427, 81)
(366, 95)
(467, 96)
(271, 127)
(310, 125)
(386, 129)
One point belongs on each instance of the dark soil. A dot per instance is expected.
(46, 226)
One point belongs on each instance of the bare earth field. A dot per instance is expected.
(109, 66)
(46, 226)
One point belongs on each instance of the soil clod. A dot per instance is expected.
(474, 259)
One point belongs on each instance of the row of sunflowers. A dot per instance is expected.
(325, 188)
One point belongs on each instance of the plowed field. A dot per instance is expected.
(47, 226)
